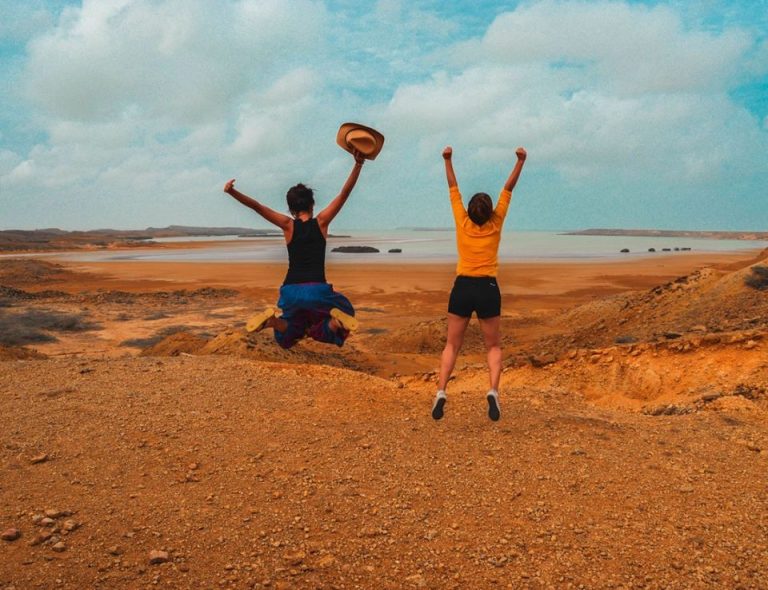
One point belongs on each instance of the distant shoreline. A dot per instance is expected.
(56, 240)
(665, 233)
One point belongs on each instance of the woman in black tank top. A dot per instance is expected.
(308, 305)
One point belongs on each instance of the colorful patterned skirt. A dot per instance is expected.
(306, 307)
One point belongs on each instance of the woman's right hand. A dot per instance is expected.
(447, 153)
(521, 154)
(229, 186)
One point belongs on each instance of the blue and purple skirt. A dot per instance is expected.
(307, 307)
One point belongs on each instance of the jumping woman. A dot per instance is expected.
(308, 305)
(478, 233)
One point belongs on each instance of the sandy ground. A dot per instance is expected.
(632, 450)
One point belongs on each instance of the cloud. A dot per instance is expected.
(180, 61)
(630, 49)
(139, 110)
(595, 90)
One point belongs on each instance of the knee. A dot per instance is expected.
(452, 346)
(493, 345)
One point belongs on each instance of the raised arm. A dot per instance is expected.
(279, 219)
(515, 174)
(325, 216)
(450, 176)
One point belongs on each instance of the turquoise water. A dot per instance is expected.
(429, 246)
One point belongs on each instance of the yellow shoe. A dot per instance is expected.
(258, 322)
(347, 321)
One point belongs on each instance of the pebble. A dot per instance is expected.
(41, 538)
(294, 558)
(326, 561)
(10, 534)
(417, 580)
(157, 557)
(42, 458)
(59, 547)
(70, 525)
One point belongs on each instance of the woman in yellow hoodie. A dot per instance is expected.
(478, 233)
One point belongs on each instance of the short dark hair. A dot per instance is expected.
(300, 198)
(480, 208)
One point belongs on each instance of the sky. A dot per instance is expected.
(134, 113)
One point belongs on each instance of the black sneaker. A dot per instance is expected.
(437, 407)
(494, 413)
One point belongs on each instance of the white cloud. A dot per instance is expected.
(592, 89)
(181, 60)
(632, 49)
(148, 106)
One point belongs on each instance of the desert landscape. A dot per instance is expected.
(151, 442)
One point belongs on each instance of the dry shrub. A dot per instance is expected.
(758, 279)
(33, 325)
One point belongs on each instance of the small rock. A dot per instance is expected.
(52, 513)
(10, 534)
(47, 521)
(115, 550)
(59, 547)
(157, 557)
(70, 525)
(42, 458)
(326, 561)
(417, 580)
(294, 558)
(41, 538)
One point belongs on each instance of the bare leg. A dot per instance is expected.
(455, 338)
(278, 324)
(492, 336)
(491, 328)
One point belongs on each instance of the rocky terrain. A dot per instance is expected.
(150, 442)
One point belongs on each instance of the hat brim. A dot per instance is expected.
(377, 138)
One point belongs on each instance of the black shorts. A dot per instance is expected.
(475, 294)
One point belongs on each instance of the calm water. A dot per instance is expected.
(428, 246)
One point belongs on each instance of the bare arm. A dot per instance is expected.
(449, 174)
(325, 216)
(515, 174)
(279, 219)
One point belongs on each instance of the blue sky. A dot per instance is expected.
(133, 113)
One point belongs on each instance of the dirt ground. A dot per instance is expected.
(149, 442)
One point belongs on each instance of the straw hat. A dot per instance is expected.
(365, 140)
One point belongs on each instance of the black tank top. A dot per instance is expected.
(306, 253)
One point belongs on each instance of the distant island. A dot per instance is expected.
(666, 233)
(41, 240)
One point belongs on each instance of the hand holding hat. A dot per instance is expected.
(354, 137)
